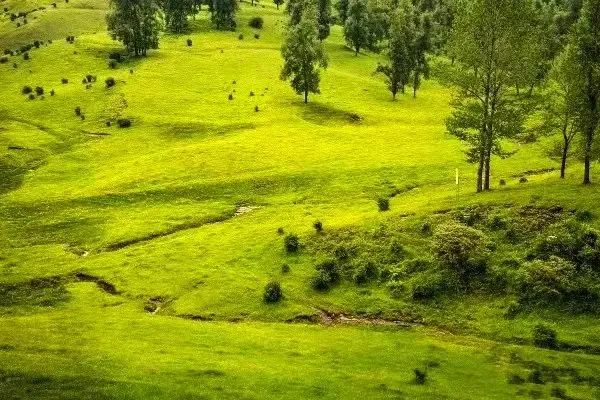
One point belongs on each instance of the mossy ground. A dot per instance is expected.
(152, 210)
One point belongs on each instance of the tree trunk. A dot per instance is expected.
(480, 172)
(563, 162)
(488, 156)
(587, 158)
(305, 96)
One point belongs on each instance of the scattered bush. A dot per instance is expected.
(291, 243)
(383, 204)
(544, 337)
(78, 111)
(189, 42)
(26, 56)
(515, 379)
(256, 22)
(327, 275)
(496, 222)
(318, 225)
(256, 36)
(428, 285)
(113, 64)
(256, 109)
(420, 376)
(240, 37)
(52, 92)
(502, 182)
(365, 272)
(31, 96)
(115, 55)
(321, 281)
(124, 122)
(26, 90)
(110, 82)
(39, 90)
(285, 268)
(272, 292)
(230, 97)
(426, 228)
(64, 81)
(280, 231)
(523, 180)
(3, 60)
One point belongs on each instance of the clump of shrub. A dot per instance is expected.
(502, 182)
(256, 36)
(272, 292)
(365, 272)
(52, 93)
(26, 90)
(78, 111)
(291, 243)
(462, 249)
(39, 90)
(31, 96)
(544, 337)
(230, 97)
(3, 60)
(110, 82)
(515, 379)
(428, 285)
(256, 109)
(124, 122)
(113, 64)
(426, 228)
(285, 268)
(328, 274)
(240, 37)
(584, 215)
(64, 81)
(280, 231)
(26, 56)
(523, 180)
(383, 204)
(256, 22)
(189, 42)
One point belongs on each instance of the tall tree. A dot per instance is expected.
(296, 9)
(421, 45)
(562, 102)
(399, 53)
(223, 14)
(136, 23)
(303, 56)
(342, 9)
(278, 3)
(176, 13)
(585, 40)
(323, 18)
(357, 30)
(488, 38)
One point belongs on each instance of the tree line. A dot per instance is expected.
(518, 68)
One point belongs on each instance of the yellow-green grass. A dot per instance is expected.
(76, 191)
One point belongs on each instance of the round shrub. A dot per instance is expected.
(26, 90)
(280, 231)
(64, 81)
(240, 37)
(584, 215)
(3, 60)
(256, 22)
(365, 272)
(230, 97)
(544, 337)
(78, 111)
(502, 182)
(39, 90)
(26, 56)
(318, 225)
(383, 204)
(256, 36)
(291, 243)
(321, 281)
(285, 268)
(523, 180)
(189, 42)
(31, 96)
(115, 55)
(124, 122)
(329, 270)
(110, 82)
(272, 292)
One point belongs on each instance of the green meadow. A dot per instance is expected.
(133, 260)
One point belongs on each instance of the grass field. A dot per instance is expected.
(179, 215)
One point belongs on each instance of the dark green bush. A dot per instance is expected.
(240, 37)
(321, 281)
(428, 285)
(189, 42)
(256, 36)
(3, 60)
(64, 81)
(365, 272)
(502, 182)
(280, 231)
(110, 82)
(256, 22)
(420, 376)
(515, 379)
(124, 122)
(584, 215)
(291, 243)
(383, 204)
(285, 268)
(31, 96)
(78, 111)
(26, 56)
(318, 225)
(272, 292)
(331, 269)
(39, 90)
(544, 337)
(426, 228)
(559, 393)
(113, 64)
(26, 90)
(523, 180)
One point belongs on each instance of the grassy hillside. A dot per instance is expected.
(117, 244)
